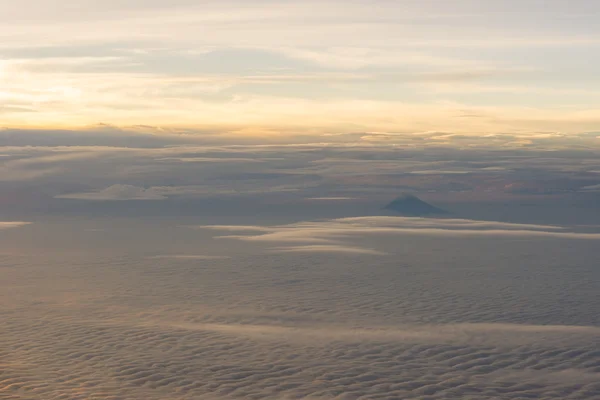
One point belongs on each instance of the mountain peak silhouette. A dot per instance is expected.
(410, 205)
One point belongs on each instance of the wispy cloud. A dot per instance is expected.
(116, 193)
(336, 249)
(187, 257)
(481, 333)
(331, 198)
(332, 235)
(15, 224)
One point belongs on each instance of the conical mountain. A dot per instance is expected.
(412, 206)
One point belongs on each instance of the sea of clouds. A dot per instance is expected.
(351, 308)
(162, 266)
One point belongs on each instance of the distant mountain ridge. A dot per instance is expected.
(411, 206)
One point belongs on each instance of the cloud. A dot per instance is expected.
(188, 257)
(331, 198)
(455, 223)
(209, 190)
(235, 228)
(591, 188)
(313, 175)
(439, 172)
(357, 58)
(314, 249)
(15, 224)
(461, 319)
(330, 235)
(30, 164)
(116, 193)
(210, 160)
(490, 334)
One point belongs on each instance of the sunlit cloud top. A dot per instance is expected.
(272, 67)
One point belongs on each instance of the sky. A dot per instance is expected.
(267, 69)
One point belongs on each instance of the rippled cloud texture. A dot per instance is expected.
(353, 308)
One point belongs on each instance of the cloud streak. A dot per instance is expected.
(467, 333)
(332, 249)
(12, 224)
(332, 235)
(116, 193)
(187, 257)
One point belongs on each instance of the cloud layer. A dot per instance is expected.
(434, 319)
(45, 171)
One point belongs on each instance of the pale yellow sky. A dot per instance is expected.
(266, 67)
